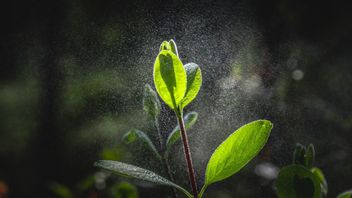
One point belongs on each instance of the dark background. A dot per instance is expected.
(72, 75)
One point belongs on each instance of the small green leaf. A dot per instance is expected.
(124, 190)
(237, 150)
(323, 184)
(189, 119)
(170, 78)
(346, 194)
(164, 46)
(173, 47)
(298, 154)
(309, 156)
(136, 135)
(296, 181)
(194, 82)
(129, 170)
(151, 103)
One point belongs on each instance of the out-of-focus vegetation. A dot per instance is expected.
(72, 74)
(302, 178)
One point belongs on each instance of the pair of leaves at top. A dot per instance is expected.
(176, 84)
(229, 157)
(302, 179)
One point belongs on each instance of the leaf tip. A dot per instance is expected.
(267, 124)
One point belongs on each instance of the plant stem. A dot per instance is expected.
(164, 160)
(168, 170)
(187, 153)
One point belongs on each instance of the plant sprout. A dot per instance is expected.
(302, 179)
(178, 85)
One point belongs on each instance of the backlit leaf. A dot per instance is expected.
(164, 46)
(170, 78)
(194, 82)
(237, 150)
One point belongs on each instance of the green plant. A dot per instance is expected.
(302, 179)
(177, 85)
(151, 106)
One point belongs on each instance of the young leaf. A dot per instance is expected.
(194, 82)
(151, 103)
(298, 154)
(136, 135)
(296, 181)
(319, 174)
(237, 150)
(309, 156)
(189, 119)
(164, 46)
(129, 170)
(346, 194)
(170, 78)
(173, 47)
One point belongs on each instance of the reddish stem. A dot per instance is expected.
(188, 156)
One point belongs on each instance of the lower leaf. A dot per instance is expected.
(129, 170)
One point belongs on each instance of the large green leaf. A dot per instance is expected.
(129, 170)
(237, 150)
(346, 194)
(189, 119)
(170, 78)
(296, 181)
(151, 103)
(319, 174)
(194, 82)
(135, 135)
